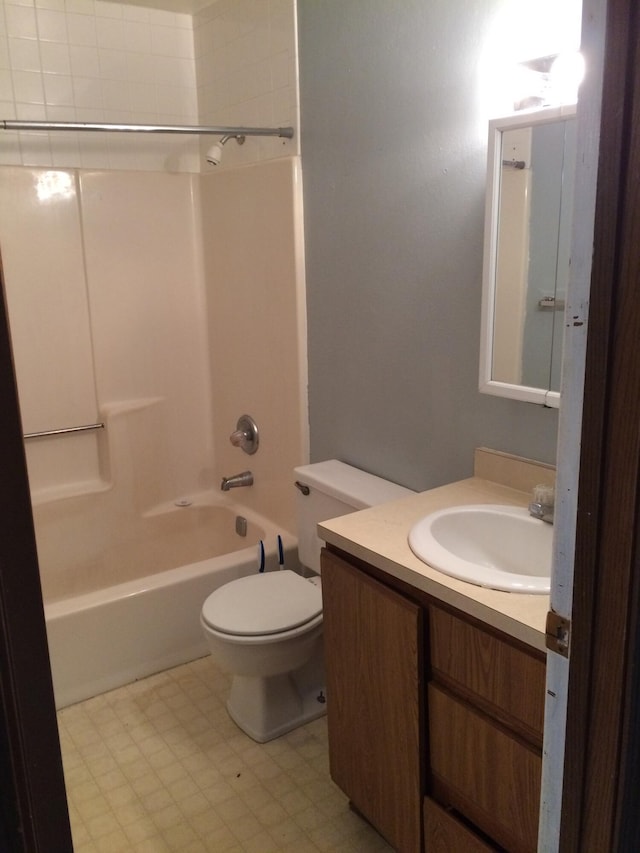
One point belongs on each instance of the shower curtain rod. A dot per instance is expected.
(10, 124)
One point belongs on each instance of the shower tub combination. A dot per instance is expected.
(160, 570)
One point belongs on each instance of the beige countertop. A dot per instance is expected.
(379, 536)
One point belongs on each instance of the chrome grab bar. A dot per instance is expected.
(63, 431)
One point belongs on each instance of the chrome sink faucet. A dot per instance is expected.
(237, 480)
(543, 504)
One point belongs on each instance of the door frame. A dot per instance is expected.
(33, 807)
(602, 690)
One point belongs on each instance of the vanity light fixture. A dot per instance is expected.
(548, 81)
(565, 76)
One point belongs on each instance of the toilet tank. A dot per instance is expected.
(335, 488)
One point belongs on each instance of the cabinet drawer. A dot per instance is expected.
(443, 833)
(503, 679)
(484, 772)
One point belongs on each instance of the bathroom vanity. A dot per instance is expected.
(435, 687)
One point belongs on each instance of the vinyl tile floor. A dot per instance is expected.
(158, 765)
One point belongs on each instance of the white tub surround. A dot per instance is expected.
(116, 634)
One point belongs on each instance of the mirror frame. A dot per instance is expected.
(487, 385)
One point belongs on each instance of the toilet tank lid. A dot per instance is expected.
(353, 486)
(263, 604)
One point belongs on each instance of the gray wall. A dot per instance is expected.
(394, 154)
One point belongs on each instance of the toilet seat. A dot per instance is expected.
(263, 605)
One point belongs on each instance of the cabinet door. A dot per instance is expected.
(372, 658)
(484, 772)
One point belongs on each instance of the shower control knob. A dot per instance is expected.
(245, 434)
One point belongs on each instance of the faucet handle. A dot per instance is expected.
(238, 437)
(245, 435)
(544, 495)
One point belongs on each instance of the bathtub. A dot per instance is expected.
(134, 608)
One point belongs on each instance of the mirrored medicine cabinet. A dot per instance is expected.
(531, 167)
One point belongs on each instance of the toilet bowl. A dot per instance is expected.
(266, 629)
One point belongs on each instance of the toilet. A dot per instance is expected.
(266, 629)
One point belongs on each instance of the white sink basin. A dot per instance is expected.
(501, 547)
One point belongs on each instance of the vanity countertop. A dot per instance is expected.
(379, 536)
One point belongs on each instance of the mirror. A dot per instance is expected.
(531, 168)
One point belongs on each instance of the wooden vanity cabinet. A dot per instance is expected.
(435, 720)
(373, 645)
(486, 712)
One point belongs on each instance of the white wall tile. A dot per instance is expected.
(61, 113)
(58, 89)
(136, 13)
(104, 9)
(10, 154)
(21, 22)
(27, 87)
(52, 25)
(5, 60)
(137, 36)
(162, 40)
(87, 92)
(282, 33)
(59, 5)
(35, 149)
(55, 58)
(163, 18)
(113, 64)
(142, 98)
(110, 33)
(183, 21)
(176, 100)
(281, 68)
(84, 61)
(180, 43)
(81, 29)
(24, 54)
(112, 91)
(82, 7)
(31, 112)
(6, 85)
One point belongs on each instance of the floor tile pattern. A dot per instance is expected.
(159, 766)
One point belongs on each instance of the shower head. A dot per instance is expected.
(214, 154)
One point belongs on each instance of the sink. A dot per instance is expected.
(501, 547)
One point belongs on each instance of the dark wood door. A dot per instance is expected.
(33, 805)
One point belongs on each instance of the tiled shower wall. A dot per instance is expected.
(246, 70)
(89, 60)
(96, 61)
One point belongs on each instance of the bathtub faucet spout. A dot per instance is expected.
(244, 479)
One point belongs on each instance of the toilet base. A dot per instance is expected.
(266, 708)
